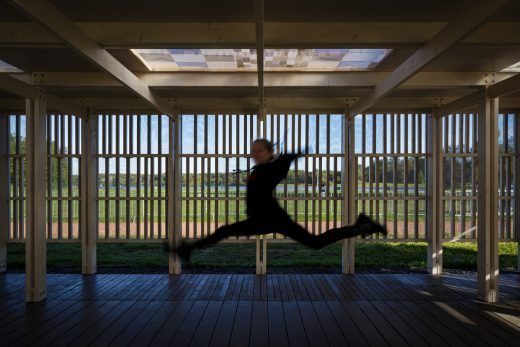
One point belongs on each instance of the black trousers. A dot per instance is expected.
(281, 224)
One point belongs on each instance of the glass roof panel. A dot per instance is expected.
(4, 67)
(336, 59)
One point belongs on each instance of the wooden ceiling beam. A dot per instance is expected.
(469, 21)
(242, 35)
(26, 91)
(50, 17)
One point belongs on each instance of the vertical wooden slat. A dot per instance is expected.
(405, 178)
(16, 181)
(69, 176)
(294, 131)
(517, 186)
(509, 178)
(159, 177)
(507, 174)
(462, 132)
(107, 136)
(385, 168)
(88, 193)
(452, 174)
(306, 224)
(118, 174)
(226, 142)
(416, 150)
(286, 142)
(49, 175)
(146, 183)
(35, 244)
(59, 150)
(237, 167)
(320, 175)
(4, 190)
(129, 136)
(138, 177)
(363, 157)
(217, 182)
(297, 118)
(474, 202)
(446, 150)
(394, 146)
(151, 198)
(202, 177)
(327, 173)
(487, 238)
(208, 183)
(371, 176)
(463, 148)
(377, 168)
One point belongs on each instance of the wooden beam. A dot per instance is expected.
(88, 193)
(51, 18)
(348, 177)
(487, 237)
(15, 86)
(5, 221)
(35, 242)
(462, 104)
(469, 21)
(378, 34)
(434, 187)
(504, 87)
(174, 206)
(279, 79)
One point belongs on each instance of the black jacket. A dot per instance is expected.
(261, 182)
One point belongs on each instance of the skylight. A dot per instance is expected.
(4, 67)
(336, 59)
(512, 68)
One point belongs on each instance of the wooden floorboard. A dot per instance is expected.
(272, 310)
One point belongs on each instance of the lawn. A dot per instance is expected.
(370, 256)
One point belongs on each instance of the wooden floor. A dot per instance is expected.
(275, 310)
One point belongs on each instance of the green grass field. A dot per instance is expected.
(369, 256)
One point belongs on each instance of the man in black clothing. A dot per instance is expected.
(265, 216)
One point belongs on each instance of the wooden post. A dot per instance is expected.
(261, 255)
(174, 185)
(261, 242)
(487, 238)
(88, 191)
(434, 203)
(348, 177)
(35, 243)
(517, 185)
(4, 190)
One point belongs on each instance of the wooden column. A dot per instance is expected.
(261, 241)
(487, 238)
(348, 177)
(517, 185)
(35, 242)
(434, 186)
(174, 207)
(89, 191)
(4, 190)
